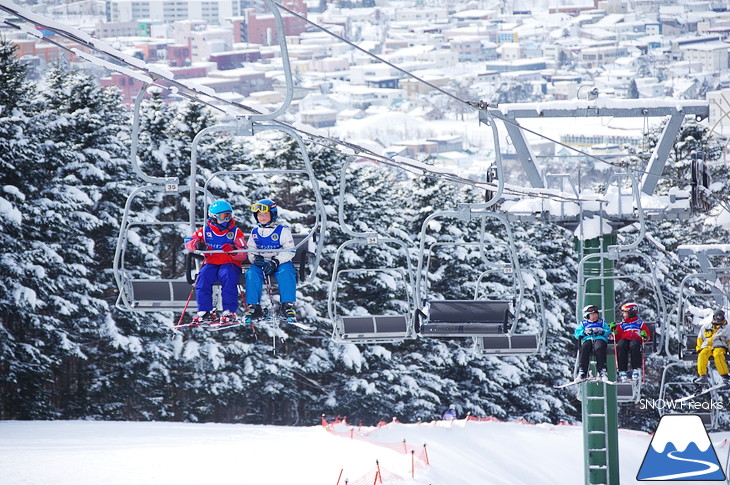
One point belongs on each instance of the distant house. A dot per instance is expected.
(319, 117)
(447, 143)
(601, 55)
(517, 65)
(413, 148)
(260, 28)
(386, 82)
(711, 56)
(235, 59)
(679, 45)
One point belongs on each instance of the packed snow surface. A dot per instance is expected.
(157, 453)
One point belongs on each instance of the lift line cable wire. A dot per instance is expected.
(475, 105)
(417, 169)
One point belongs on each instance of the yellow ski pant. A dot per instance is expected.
(718, 353)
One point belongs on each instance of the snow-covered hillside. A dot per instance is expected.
(460, 452)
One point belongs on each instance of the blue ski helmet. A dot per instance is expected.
(265, 205)
(221, 211)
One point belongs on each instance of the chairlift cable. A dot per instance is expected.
(374, 56)
(362, 152)
(477, 106)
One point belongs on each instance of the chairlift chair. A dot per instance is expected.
(674, 388)
(490, 320)
(357, 326)
(390, 327)
(156, 294)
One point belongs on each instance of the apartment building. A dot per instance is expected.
(214, 12)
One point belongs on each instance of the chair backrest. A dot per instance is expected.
(470, 311)
(374, 328)
(162, 295)
(300, 260)
(509, 344)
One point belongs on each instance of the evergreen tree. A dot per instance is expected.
(23, 366)
(633, 91)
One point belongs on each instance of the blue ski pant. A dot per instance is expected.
(286, 277)
(228, 275)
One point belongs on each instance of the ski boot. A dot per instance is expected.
(701, 383)
(228, 318)
(253, 312)
(205, 318)
(603, 376)
(288, 310)
(635, 375)
(623, 377)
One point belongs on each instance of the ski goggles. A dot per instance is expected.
(260, 208)
(223, 216)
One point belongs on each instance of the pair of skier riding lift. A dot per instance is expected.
(220, 233)
(630, 335)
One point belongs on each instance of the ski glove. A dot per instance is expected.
(644, 335)
(259, 261)
(270, 267)
(201, 246)
(227, 248)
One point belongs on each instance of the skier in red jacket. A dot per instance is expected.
(219, 233)
(630, 335)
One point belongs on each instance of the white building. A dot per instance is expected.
(211, 11)
(712, 56)
(203, 41)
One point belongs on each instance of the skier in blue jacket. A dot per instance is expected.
(593, 332)
(270, 235)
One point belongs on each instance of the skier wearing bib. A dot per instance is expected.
(219, 233)
(593, 333)
(630, 335)
(713, 341)
(269, 234)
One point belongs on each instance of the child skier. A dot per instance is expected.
(219, 233)
(713, 341)
(630, 335)
(450, 413)
(269, 234)
(593, 333)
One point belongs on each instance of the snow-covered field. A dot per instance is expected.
(155, 453)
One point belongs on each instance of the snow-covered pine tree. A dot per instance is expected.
(79, 141)
(24, 369)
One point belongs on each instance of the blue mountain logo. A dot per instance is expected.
(681, 450)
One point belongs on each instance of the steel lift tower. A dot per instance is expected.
(598, 254)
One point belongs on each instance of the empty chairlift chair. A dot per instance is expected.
(466, 318)
(490, 320)
(391, 327)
